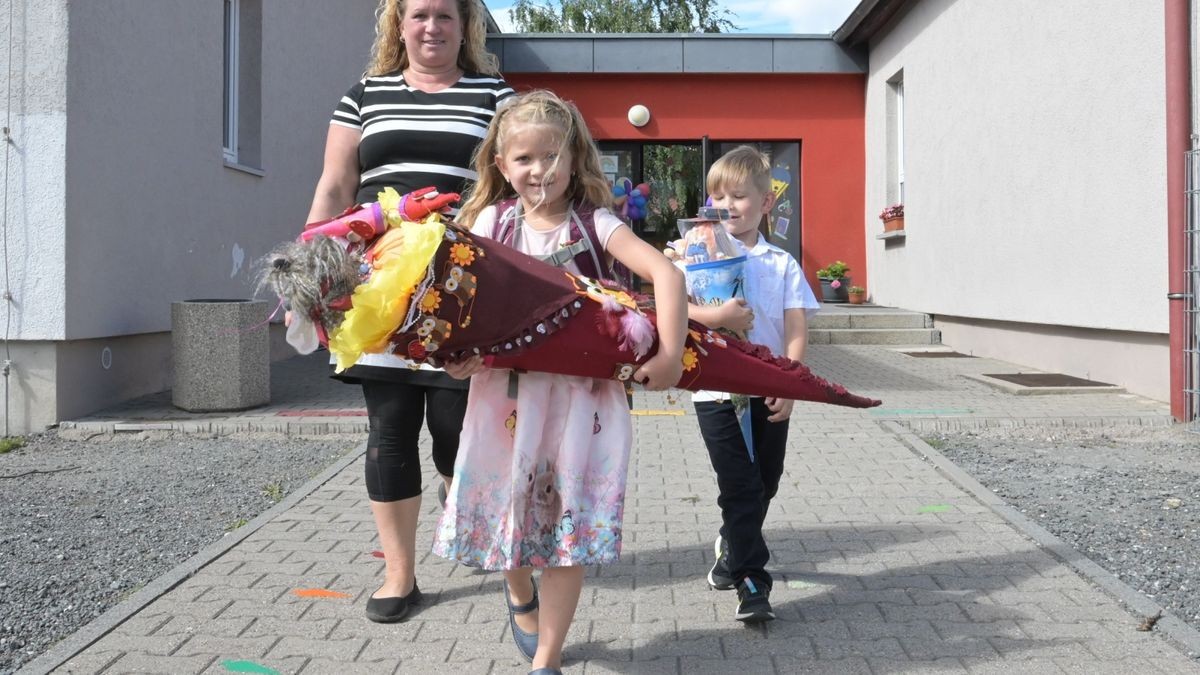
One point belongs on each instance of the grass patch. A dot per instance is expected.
(10, 443)
(274, 492)
(240, 522)
(935, 442)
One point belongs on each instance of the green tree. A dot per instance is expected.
(621, 16)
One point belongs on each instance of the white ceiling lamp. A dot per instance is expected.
(639, 115)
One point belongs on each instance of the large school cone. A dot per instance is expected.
(518, 312)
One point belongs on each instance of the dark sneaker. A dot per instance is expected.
(753, 603)
(719, 577)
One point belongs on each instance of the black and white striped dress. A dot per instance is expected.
(412, 139)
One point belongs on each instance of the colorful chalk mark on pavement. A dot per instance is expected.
(934, 508)
(319, 593)
(248, 667)
(799, 584)
(377, 554)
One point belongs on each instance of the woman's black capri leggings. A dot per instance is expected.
(395, 410)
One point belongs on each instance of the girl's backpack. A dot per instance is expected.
(584, 248)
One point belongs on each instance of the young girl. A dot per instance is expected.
(540, 478)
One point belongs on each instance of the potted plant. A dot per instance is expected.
(856, 294)
(835, 281)
(893, 218)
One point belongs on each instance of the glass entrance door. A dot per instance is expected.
(674, 174)
(782, 225)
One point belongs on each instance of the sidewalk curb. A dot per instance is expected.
(1170, 626)
(97, 628)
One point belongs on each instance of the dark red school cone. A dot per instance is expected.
(518, 312)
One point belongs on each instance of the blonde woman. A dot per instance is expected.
(412, 121)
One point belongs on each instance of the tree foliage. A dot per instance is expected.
(621, 16)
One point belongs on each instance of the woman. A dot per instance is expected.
(413, 121)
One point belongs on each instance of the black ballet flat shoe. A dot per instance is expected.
(391, 610)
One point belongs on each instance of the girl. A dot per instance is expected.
(540, 477)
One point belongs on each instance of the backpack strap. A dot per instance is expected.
(614, 271)
(506, 221)
(583, 231)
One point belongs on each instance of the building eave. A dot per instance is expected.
(867, 20)
(700, 53)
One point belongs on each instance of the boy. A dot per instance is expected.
(775, 314)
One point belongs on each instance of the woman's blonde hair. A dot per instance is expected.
(537, 108)
(388, 54)
(744, 165)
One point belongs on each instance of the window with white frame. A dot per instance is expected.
(895, 139)
(231, 79)
(242, 57)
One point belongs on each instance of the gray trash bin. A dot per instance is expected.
(222, 354)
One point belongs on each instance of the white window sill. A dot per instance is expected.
(245, 169)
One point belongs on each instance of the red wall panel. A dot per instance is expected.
(825, 113)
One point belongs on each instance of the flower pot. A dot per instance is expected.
(831, 294)
(893, 224)
(857, 298)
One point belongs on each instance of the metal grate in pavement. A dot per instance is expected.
(1046, 380)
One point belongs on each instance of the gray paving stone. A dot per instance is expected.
(168, 665)
(881, 587)
(92, 661)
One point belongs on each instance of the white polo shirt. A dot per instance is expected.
(774, 283)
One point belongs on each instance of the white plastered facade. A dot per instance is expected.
(1034, 182)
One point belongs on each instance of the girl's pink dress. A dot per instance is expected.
(540, 478)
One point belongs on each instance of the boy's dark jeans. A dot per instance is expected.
(745, 488)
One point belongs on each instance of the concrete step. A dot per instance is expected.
(834, 316)
(874, 336)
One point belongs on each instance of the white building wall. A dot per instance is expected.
(1035, 167)
(153, 213)
(120, 201)
(35, 107)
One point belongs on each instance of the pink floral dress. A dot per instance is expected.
(542, 460)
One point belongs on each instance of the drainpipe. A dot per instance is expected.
(1178, 66)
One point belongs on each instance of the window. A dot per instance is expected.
(242, 56)
(895, 139)
(231, 79)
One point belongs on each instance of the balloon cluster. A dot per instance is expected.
(630, 199)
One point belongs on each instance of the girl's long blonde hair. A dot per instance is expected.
(540, 108)
(388, 54)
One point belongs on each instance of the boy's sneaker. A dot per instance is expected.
(719, 577)
(753, 603)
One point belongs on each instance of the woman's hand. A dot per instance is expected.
(660, 372)
(461, 370)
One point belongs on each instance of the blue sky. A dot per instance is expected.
(755, 16)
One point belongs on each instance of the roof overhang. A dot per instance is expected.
(644, 53)
(867, 19)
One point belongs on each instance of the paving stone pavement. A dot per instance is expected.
(883, 563)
